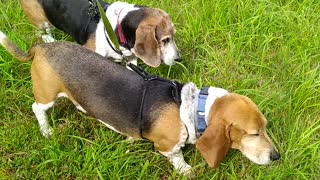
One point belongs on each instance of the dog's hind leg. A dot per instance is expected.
(37, 16)
(40, 111)
(46, 87)
(47, 38)
(45, 95)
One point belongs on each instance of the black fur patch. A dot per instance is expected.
(71, 16)
(129, 25)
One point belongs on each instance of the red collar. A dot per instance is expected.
(123, 40)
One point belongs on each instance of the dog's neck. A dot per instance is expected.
(189, 107)
(115, 14)
(122, 38)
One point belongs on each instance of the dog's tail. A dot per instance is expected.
(14, 50)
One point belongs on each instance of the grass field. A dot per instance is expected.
(268, 50)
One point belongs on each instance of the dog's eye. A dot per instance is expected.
(165, 40)
(254, 134)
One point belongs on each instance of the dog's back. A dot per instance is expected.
(73, 16)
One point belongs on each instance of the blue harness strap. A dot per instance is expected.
(203, 95)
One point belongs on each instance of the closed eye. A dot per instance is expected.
(254, 134)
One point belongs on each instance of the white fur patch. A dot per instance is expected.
(78, 106)
(169, 53)
(178, 162)
(189, 96)
(213, 94)
(257, 155)
(112, 13)
(188, 108)
(47, 38)
(109, 126)
(2, 37)
(40, 111)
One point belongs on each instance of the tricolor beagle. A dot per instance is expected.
(143, 32)
(138, 105)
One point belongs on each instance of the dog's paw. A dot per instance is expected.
(46, 132)
(186, 171)
(130, 139)
(47, 38)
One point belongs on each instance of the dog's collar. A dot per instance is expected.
(123, 41)
(148, 78)
(193, 101)
(122, 38)
(200, 110)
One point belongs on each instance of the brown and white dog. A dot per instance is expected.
(167, 113)
(143, 32)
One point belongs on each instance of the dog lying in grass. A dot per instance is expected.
(135, 104)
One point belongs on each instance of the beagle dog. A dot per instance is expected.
(143, 32)
(135, 104)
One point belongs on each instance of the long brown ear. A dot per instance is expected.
(214, 144)
(146, 46)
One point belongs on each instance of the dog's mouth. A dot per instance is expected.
(263, 157)
(172, 60)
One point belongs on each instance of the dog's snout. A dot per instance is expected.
(275, 156)
(178, 59)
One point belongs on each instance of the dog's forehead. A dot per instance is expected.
(161, 20)
(246, 115)
(165, 27)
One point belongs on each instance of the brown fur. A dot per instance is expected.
(166, 129)
(233, 120)
(19, 54)
(91, 43)
(147, 46)
(33, 9)
(214, 144)
(46, 82)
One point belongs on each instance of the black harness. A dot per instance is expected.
(148, 78)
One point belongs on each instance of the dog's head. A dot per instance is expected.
(235, 122)
(155, 39)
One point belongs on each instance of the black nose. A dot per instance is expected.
(274, 156)
(178, 59)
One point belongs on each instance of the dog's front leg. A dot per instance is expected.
(178, 162)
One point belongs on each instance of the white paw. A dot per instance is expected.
(81, 109)
(47, 38)
(46, 132)
(185, 170)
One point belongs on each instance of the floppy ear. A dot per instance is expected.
(146, 46)
(214, 144)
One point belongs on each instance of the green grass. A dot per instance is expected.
(268, 50)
